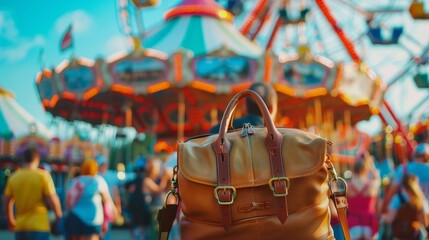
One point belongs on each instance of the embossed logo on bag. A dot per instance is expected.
(254, 206)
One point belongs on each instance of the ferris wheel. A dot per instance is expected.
(378, 35)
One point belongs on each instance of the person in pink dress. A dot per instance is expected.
(362, 198)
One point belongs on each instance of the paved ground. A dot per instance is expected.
(117, 234)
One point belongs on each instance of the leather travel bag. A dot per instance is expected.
(254, 183)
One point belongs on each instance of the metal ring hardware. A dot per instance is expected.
(338, 180)
(171, 192)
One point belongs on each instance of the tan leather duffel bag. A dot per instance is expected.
(254, 183)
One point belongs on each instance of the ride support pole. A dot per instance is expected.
(279, 22)
(264, 17)
(252, 17)
(340, 33)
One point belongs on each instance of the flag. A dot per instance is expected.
(67, 40)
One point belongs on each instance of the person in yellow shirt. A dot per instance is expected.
(29, 188)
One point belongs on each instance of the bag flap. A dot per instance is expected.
(303, 154)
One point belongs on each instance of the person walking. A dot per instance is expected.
(408, 211)
(362, 198)
(418, 166)
(90, 204)
(29, 188)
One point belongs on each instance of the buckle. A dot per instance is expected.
(271, 184)
(224, 188)
(339, 192)
(340, 187)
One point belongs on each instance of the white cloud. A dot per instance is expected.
(20, 50)
(117, 43)
(8, 31)
(81, 21)
(14, 46)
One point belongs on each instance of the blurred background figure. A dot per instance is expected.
(85, 200)
(138, 210)
(144, 197)
(408, 211)
(113, 184)
(29, 188)
(168, 156)
(418, 166)
(363, 191)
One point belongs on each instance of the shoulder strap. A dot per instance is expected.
(340, 202)
(167, 214)
(339, 197)
(166, 217)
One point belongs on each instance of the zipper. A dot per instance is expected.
(247, 130)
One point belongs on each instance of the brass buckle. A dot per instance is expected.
(234, 194)
(338, 182)
(339, 197)
(271, 184)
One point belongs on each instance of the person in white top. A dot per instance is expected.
(85, 200)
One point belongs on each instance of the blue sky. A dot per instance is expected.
(27, 27)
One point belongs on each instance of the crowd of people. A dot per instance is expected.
(95, 199)
(398, 210)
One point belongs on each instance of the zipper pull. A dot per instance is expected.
(244, 130)
(250, 130)
(247, 130)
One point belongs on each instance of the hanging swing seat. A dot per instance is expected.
(422, 80)
(376, 36)
(235, 7)
(417, 10)
(284, 16)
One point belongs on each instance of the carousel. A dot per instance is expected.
(179, 77)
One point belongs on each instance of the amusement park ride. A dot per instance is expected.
(179, 77)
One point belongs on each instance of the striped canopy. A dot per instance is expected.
(15, 121)
(201, 35)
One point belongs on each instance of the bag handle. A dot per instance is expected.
(273, 133)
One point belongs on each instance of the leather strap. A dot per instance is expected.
(340, 202)
(224, 179)
(166, 217)
(274, 142)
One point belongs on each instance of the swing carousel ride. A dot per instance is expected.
(179, 77)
